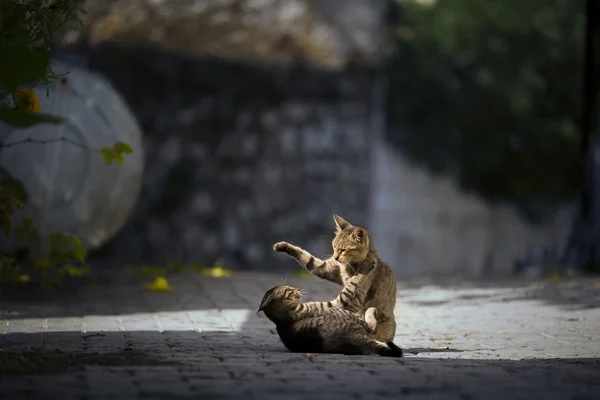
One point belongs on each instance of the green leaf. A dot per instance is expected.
(23, 67)
(58, 240)
(57, 256)
(121, 147)
(8, 182)
(78, 250)
(108, 154)
(42, 263)
(18, 203)
(6, 261)
(25, 119)
(119, 158)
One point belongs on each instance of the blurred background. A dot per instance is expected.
(450, 129)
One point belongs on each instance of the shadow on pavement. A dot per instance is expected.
(182, 364)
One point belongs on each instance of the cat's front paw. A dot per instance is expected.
(282, 247)
(371, 313)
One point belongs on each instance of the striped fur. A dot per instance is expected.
(320, 329)
(354, 251)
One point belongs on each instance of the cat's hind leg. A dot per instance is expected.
(388, 349)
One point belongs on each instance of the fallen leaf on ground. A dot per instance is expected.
(72, 270)
(216, 272)
(310, 356)
(555, 276)
(302, 273)
(160, 284)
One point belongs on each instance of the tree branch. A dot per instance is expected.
(46, 141)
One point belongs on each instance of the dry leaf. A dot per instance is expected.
(160, 284)
(24, 278)
(302, 273)
(555, 276)
(216, 272)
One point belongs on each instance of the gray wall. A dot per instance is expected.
(239, 157)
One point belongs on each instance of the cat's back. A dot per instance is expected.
(332, 331)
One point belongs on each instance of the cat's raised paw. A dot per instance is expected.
(281, 246)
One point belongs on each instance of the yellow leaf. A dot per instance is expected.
(24, 278)
(72, 270)
(108, 154)
(216, 272)
(160, 284)
(555, 276)
(302, 273)
(119, 158)
(310, 356)
(121, 147)
(42, 263)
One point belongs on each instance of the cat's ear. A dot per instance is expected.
(268, 297)
(340, 222)
(359, 235)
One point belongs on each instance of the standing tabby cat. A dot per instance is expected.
(307, 329)
(352, 246)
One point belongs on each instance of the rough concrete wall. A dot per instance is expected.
(426, 225)
(238, 158)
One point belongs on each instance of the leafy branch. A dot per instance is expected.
(26, 32)
(115, 153)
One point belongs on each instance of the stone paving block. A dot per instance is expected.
(205, 340)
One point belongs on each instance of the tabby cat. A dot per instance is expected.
(352, 297)
(352, 246)
(305, 329)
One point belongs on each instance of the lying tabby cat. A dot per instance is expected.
(352, 247)
(308, 329)
(351, 298)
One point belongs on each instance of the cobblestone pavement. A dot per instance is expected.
(204, 340)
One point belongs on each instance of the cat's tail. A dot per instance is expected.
(388, 349)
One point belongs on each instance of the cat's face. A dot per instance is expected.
(351, 243)
(279, 297)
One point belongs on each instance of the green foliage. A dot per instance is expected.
(64, 247)
(21, 66)
(489, 92)
(11, 186)
(116, 153)
(25, 119)
(26, 32)
(9, 273)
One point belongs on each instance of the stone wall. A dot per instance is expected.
(239, 157)
(426, 225)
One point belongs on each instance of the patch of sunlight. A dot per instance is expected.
(207, 320)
